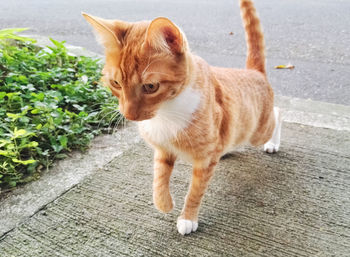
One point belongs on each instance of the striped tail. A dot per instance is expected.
(254, 37)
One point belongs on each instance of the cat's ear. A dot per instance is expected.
(108, 32)
(164, 35)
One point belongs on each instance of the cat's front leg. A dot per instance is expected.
(188, 220)
(163, 166)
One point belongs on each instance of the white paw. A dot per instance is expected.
(273, 144)
(270, 147)
(186, 226)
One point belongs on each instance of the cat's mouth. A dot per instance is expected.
(139, 117)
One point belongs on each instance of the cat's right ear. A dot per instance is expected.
(163, 34)
(108, 32)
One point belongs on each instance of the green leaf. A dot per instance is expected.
(24, 119)
(57, 148)
(12, 183)
(11, 30)
(23, 162)
(32, 144)
(78, 107)
(18, 133)
(13, 116)
(63, 141)
(2, 95)
(39, 97)
(10, 147)
(6, 153)
(11, 34)
(4, 142)
(61, 156)
(12, 95)
(57, 43)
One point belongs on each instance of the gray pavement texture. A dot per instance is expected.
(313, 35)
(293, 203)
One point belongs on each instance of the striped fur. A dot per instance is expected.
(254, 37)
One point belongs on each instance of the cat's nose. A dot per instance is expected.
(131, 116)
(130, 110)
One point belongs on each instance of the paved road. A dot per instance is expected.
(313, 35)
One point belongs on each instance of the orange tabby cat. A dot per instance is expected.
(184, 107)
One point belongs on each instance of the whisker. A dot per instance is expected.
(112, 108)
(107, 105)
(99, 124)
(111, 120)
(120, 120)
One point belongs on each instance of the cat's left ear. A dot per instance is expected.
(164, 35)
(108, 32)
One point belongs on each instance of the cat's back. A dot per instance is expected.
(239, 77)
(247, 83)
(232, 78)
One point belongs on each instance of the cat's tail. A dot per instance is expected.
(254, 37)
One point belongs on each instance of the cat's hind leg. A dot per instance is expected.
(272, 146)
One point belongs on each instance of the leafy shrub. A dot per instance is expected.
(50, 104)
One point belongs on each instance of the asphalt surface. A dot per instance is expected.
(293, 203)
(313, 35)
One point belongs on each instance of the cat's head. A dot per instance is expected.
(147, 63)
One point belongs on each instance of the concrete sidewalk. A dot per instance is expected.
(294, 203)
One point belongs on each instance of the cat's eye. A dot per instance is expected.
(115, 84)
(150, 88)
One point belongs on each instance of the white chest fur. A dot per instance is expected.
(172, 117)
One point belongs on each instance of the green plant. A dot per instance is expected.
(50, 103)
